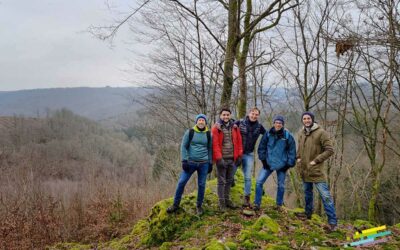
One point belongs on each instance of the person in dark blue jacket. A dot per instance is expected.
(277, 152)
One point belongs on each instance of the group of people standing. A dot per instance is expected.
(231, 144)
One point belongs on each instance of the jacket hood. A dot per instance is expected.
(314, 127)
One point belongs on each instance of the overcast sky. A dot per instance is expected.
(44, 45)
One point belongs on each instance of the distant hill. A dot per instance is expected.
(94, 103)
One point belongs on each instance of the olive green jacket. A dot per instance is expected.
(317, 146)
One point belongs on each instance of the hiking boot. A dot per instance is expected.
(199, 210)
(172, 209)
(303, 215)
(256, 207)
(230, 204)
(246, 201)
(331, 228)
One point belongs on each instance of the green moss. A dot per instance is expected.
(248, 244)
(277, 247)
(187, 235)
(362, 224)
(266, 223)
(215, 245)
(317, 219)
(231, 245)
(166, 246)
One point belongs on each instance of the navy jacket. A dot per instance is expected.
(278, 149)
(250, 132)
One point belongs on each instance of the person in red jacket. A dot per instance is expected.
(227, 153)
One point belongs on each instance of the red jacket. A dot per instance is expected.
(218, 137)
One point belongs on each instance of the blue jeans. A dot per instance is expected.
(201, 169)
(247, 167)
(262, 177)
(326, 197)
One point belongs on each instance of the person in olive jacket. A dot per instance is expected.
(314, 148)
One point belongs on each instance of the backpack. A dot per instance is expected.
(191, 134)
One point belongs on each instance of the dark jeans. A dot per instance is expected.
(225, 176)
(262, 177)
(201, 169)
(326, 197)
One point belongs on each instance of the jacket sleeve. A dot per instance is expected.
(327, 148)
(262, 148)
(184, 151)
(216, 147)
(262, 130)
(240, 142)
(291, 151)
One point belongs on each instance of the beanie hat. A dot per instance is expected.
(200, 116)
(279, 118)
(310, 114)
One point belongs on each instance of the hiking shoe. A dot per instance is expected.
(230, 204)
(172, 209)
(246, 201)
(256, 207)
(303, 215)
(332, 228)
(199, 210)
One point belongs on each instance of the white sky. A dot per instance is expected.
(43, 44)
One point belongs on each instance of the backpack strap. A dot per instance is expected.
(191, 134)
(208, 138)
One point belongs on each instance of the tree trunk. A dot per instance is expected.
(230, 52)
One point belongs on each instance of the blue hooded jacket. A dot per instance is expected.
(278, 148)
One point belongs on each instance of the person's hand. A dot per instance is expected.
(298, 160)
(185, 165)
(210, 168)
(238, 161)
(220, 163)
(313, 163)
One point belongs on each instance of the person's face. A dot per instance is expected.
(307, 120)
(253, 115)
(225, 116)
(278, 125)
(201, 123)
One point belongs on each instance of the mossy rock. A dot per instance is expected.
(362, 224)
(215, 245)
(266, 223)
